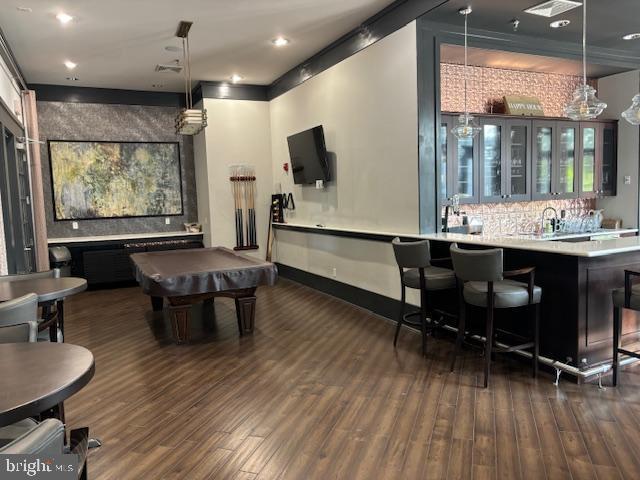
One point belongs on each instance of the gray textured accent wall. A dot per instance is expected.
(119, 123)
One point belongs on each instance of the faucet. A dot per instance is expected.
(554, 220)
(454, 206)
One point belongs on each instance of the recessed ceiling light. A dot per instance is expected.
(631, 36)
(64, 18)
(70, 65)
(172, 48)
(235, 78)
(559, 23)
(73, 79)
(24, 9)
(280, 41)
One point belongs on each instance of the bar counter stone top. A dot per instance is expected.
(538, 243)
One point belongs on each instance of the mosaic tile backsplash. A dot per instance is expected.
(486, 88)
(519, 217)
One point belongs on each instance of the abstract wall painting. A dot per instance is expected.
(92, 180)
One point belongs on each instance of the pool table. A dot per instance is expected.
(187, 277)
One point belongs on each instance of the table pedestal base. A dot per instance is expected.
(180, 310)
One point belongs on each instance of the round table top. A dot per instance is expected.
(47, 289)
(38, 376)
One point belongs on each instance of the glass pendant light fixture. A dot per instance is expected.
(585, 105)
(466, 126)
(632, 114)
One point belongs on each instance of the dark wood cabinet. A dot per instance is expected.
(608, 166)
(505, 160)
(528, 158)
(107, 263)
(555, 159)
(461, 169)
(598, 155)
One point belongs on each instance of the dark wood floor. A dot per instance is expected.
(318, 392)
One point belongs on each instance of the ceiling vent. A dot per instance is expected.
(553, 8)
(169, 67)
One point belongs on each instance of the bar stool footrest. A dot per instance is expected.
(431, 324)
(629, 353)
(514, 348)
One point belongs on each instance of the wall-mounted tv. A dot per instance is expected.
(308, 156)
(97, 180)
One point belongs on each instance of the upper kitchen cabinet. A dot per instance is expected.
(555, 159)
(608, 166)
(459, 174)
(524, 158)
(598, 159)
(504, 159)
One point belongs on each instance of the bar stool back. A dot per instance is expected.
(627, 297)
(481, 282)
(417, 272)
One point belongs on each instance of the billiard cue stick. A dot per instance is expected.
(250, 206)
(253, 209)
(238, 204)
(235, 204)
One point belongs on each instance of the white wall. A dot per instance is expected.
(367, 105)
(617, 91)
(237, 133)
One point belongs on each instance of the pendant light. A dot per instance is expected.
(585, 105)
(190, 121)
(466, 126)
(632, 114)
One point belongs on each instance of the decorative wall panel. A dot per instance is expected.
(486, 87)
(520, 217)
(120, 123)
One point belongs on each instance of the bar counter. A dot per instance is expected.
(577, 278)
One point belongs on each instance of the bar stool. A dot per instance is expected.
(481, 283)
(627, 297)
(417, 272)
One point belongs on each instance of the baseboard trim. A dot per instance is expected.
(379, 304)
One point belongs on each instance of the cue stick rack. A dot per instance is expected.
(243, 187)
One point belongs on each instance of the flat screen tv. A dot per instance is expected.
(96, 179)
(308, 156)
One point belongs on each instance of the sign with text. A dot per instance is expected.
(519, 105)
(43, 466)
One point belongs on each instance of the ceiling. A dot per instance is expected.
(608, 21)
(117, 43)
(480, 57)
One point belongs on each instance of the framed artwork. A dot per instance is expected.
(98, 180)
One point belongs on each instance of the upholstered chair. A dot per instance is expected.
(28, 437)
(482, 282)
(418, 272)
(19, 319)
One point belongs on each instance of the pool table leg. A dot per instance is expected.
(157, 303)
(246, 313)
(180, 316)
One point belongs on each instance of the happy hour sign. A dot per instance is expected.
(519, 105)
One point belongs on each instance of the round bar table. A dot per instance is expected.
(36, 377)
(50, 291)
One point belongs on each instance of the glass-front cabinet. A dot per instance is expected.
(460, 174)
(520, 159)
(598, 154)
(504, 150)
(555, 153)
(608, 165)
(589, 138)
